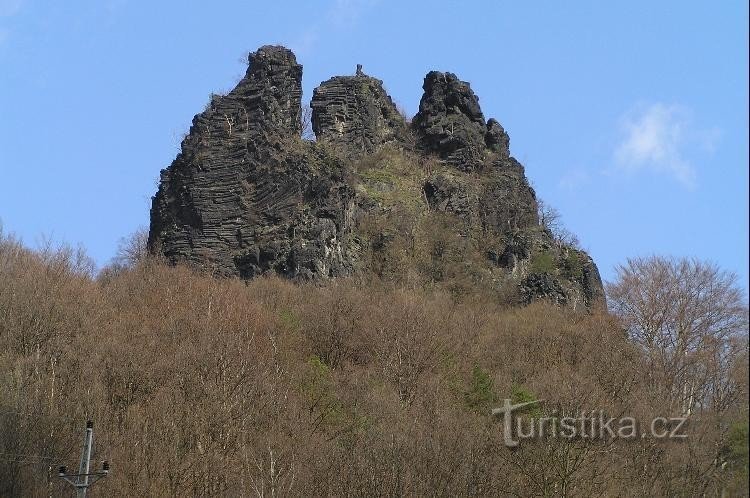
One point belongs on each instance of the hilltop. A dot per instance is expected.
(437, 200)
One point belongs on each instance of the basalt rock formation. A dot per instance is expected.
(439, 199)
(245, 195)
(355, 113)
(450, 122)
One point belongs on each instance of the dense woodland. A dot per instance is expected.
(363, 387)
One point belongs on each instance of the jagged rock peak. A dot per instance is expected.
(450, 123)
(269, 55)
(356, 113)
(271, 91)
(246, 196)
(445, 93)
(497, 139)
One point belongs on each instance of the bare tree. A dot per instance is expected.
(551, 220)
(305, 121)
(687, 315)
(216, 387)
(403, 112)
(133, 249)
(549, 217)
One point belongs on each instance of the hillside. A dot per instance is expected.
(340, 300)
(214, 387)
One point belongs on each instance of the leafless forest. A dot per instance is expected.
(207, 387)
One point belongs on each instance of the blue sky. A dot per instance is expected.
(630, 117)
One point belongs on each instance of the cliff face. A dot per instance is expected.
(450, 122)
(247, 196)
(355, 113)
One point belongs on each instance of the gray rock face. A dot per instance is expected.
(542, 286)
(496, 139)
(247, 196)
(355, 113)
(267, 100)
(500, 200)
(450, 121)
(591, 282)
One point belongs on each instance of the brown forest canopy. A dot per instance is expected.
(202, 386)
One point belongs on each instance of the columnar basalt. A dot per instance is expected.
(247, 195)
(355, 113)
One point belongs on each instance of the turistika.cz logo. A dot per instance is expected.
(586, 425)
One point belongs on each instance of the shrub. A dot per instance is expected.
(354, 388)
(543, 262)
(480, 395)
(572, 264)
(520, 394)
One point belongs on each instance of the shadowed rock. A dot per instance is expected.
(450, 121)
(496, 139)
(245, 195)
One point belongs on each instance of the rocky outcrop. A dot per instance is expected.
(247, 195)
(451, 124)
(497, 140)
(542, 286)
(500, 200)
(356, 114)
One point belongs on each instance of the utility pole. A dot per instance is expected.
(84, 479)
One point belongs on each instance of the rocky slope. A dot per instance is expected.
(438, 201)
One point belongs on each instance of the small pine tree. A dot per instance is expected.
(481, 390)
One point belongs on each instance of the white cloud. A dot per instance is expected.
(656, 137)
